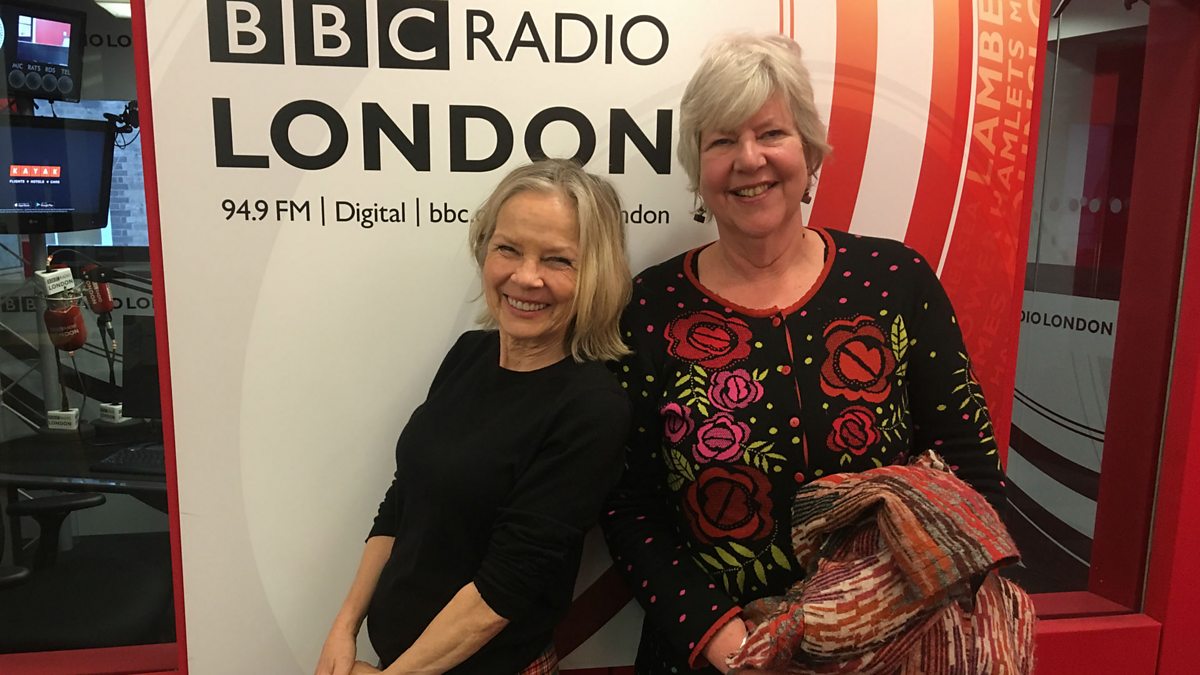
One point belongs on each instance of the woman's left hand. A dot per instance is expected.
(363, 668)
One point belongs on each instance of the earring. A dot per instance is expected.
(808, 189)
(699, 213)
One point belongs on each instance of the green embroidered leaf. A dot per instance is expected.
(899, 336)
(901, 371)
(681, 465)
(741, 580)
(711, 561)
(774, 455)
(680, 381)
(674, 481)
(699, 371)
(702, 408)
(958, 388)
(746, 457)
(760, 375)
(757, 444)
(741, 550)
(878, 464)
(726, 556)
(845, 459)
(760, 572)
(725, 583)
(780, 558)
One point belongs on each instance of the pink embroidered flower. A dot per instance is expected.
(720, 438)
(735, 389)
(677, 421)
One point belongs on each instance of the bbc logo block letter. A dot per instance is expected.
(245, 31)
(331, 32)
(414, 34)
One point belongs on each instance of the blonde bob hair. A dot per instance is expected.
(602, 283)
(736, 76)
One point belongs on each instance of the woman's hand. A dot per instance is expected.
(337, 656)
(364, 668)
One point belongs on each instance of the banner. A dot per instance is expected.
(317, 162)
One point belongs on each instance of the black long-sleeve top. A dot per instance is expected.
(735, 407)
(499, 474)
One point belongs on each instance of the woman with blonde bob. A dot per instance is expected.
(499, 473)
(773, 356)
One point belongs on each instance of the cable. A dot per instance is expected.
(130, 142)
(82, 385)
(16, 255)
(65, 404)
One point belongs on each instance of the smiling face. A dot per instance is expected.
(753, 178)
(529, 273)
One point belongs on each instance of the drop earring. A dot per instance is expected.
(699, 213)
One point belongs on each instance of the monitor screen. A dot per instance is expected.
(59, 174)
(139, 368)
(42, 51)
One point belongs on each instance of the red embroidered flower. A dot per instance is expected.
(730, 501)
(853, 431)
(858, 361)
(709, 339)
(719, 438)
(735, 389)
(677, 421)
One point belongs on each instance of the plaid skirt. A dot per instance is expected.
(546, 664)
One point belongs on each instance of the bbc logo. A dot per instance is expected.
(413, 34)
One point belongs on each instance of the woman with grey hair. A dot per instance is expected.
(472, 557)
(778, 354)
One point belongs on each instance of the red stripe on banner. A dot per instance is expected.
(792, 19)
(945, 131)
(991, 227)
(781, 17)
(850, 116)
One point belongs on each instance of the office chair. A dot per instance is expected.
(83, 598)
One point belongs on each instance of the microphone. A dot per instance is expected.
(95, 288)
(65, 326)
(63, 318)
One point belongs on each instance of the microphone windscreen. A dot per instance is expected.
(66, 327)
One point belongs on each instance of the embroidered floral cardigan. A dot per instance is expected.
(735, 407)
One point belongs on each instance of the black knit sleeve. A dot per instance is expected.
(949, 413)
(678, 597)
(554, 502)
(388, 513)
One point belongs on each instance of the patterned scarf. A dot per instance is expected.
(901, 580)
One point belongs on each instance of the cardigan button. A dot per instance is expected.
(775, 321)
(785, 369)
(795, 422)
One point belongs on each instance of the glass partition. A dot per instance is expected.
(85, 553)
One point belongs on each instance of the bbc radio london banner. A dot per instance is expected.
(316, 162)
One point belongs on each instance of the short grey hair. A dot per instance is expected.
(735, 78)
(603, 283)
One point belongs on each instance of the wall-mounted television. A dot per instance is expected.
(42, 50)
(59, 174)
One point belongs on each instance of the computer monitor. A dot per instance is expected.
(42, 51)
(59, 174)
(139, 369)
